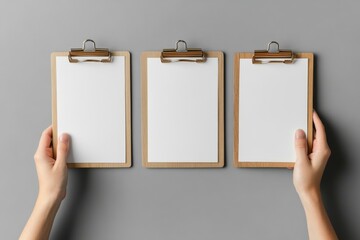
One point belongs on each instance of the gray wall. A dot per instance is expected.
(140, 203)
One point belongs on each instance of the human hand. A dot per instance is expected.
(52, 176)
(309, 168)
(52, 173)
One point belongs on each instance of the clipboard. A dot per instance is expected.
(273, 96)
(182, 108)
(91, 101)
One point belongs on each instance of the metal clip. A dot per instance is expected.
(182, 55)
(277, 56)
(93, 54)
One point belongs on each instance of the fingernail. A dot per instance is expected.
(300, 134)
(64, 138)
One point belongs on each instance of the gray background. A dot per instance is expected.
(140, 203)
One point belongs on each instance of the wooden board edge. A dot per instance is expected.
(236, 108)
(99, 165)
(310, 130)
(221, 108)
(265, 164)
(144, 108)
(183, 165)
(128, 125)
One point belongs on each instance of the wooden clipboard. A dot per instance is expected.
(99, 56)
(237, 136)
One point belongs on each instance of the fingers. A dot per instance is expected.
(45, 140)
(301, 146)
(62, 149)
(320, 134)
(322, 148)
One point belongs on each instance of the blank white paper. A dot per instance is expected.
(182, 111)
(91, 108)
(273, 105)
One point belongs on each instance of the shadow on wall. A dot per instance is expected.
(331, 184)
(336, 168)
(79, 190)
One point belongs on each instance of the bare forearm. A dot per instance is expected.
(318, 222)
(41, 220)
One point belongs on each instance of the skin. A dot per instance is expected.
(308, 171)
(52, 177)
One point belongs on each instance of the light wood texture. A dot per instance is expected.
(128, 161)
(237, 70)
(144, 116)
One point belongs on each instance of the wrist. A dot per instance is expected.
(310, 197)
(51, 196)
(48, 200)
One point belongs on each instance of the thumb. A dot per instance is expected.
(300, 146)
(62, 148)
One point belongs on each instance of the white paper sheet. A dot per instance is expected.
(182, 111)
(91, 108)
(273, 104)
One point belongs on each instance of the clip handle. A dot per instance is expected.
(276, 56)
(182, 55)
(84, 45)
(84, 54)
